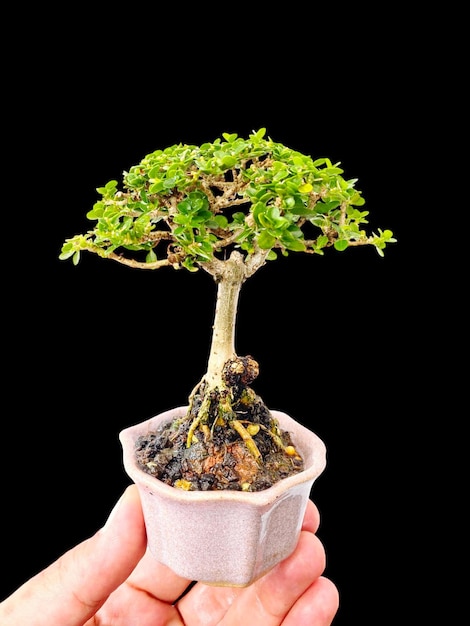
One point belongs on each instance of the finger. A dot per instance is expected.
(72, 589)
(311, 521)
(268, 600)
(207, 605)
(131, 603)
(316, 607)
(157, 580)
(284, 584)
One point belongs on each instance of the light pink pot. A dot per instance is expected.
(224, 537)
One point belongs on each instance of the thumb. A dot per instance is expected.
(72, 589)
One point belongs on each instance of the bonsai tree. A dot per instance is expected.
(227, 208)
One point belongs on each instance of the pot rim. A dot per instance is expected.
(314, 455)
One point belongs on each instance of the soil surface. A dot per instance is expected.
(223, 460)
(221, 463)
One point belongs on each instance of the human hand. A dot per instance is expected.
(111, 580)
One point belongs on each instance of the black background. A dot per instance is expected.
(92, 349)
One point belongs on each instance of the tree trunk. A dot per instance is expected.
(229, 283)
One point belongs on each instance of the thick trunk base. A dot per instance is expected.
(228, 440)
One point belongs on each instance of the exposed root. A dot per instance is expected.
(226, 404)
(247, 438)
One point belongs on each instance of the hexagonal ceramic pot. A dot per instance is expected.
(224, 537)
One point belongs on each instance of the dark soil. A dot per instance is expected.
(223, 460)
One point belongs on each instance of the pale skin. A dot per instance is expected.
(110, 580)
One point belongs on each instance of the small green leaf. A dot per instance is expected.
(66, 255)
(322, 241)
(156, 187)
(151, 256)
(222, 221)
(97, 211)
(326, 207)
(271, 256)
(184, 207)
(259, 134)
(266, 241)
(169, 183)
(229, 161)
(341, 244)
(188, 263)
(299, 208)
(229, 137)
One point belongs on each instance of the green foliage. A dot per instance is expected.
(188, 205)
